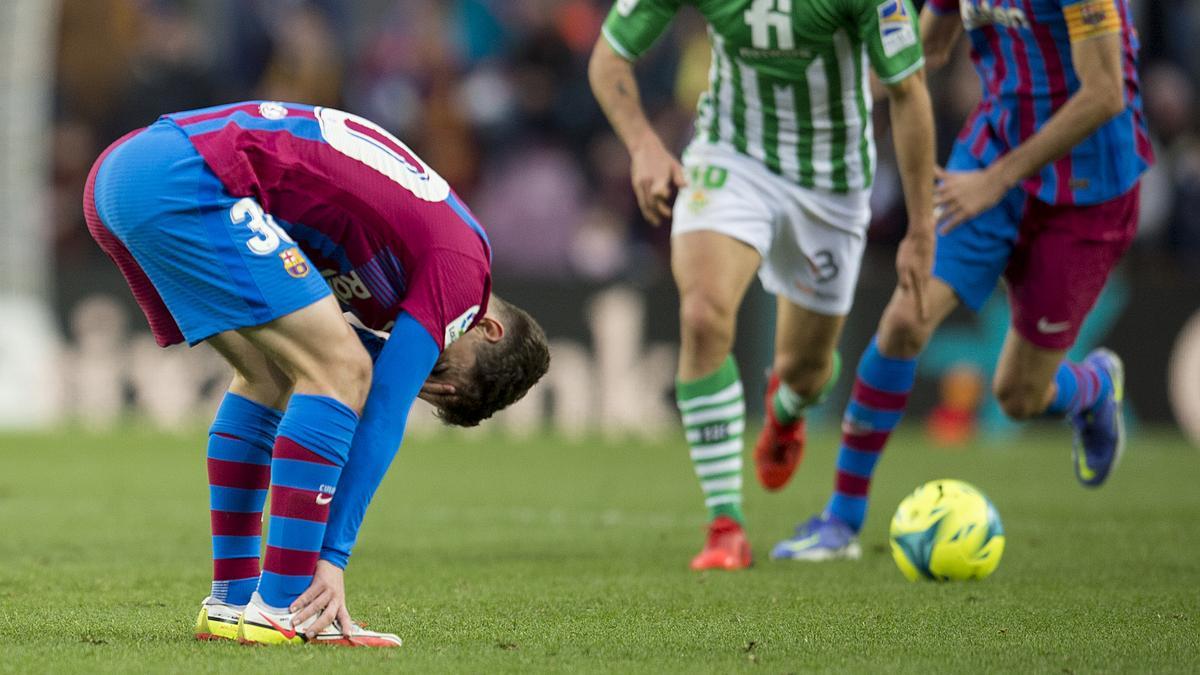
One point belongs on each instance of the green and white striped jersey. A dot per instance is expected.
(788, 85)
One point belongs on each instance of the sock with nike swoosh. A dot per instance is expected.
(239, 470)
(1077, 388)
(310, 451)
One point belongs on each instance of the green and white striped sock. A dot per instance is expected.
(714, 417)
(790, 406)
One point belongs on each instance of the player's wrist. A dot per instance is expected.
(643, 141)
(921, 227)
(1003, 173)
(336, 558)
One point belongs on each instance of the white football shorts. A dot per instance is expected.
(811, 240)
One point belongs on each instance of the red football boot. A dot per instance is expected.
(780, 447)
(726, 548)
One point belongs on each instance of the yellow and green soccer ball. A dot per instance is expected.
(947, 530)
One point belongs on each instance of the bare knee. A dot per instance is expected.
(706, 323)
(342, 373)
(350, 375)
(1019, 400)
(903, 333)
(805, 373)
(272, 389)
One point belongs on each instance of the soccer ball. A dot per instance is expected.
(947, 530)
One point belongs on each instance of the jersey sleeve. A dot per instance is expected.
(447, 294)
(889, 29)
(404, 361)
(1091, 18)
(633, 26)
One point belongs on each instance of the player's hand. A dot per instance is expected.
(326, 596)
(914, 266)
(961, 195)
(657, 177)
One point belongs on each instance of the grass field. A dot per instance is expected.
(495, 556)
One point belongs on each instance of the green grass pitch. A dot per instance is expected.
(494, 555)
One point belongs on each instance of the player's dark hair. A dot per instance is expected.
(503, 370)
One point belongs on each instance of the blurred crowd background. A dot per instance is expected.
(494, 95)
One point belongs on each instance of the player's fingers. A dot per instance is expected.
(939, 173)
(942, 194)
(660, 189)
(954, 218)
(678, 175)
(315, 590)
(664, 208)
(651, 216)
(435, 399)
(942, 204)
(650, 213)
(311, 608)
(322, 621)
(344, 621)
(437, 389)
(301, 601)
(644, 205)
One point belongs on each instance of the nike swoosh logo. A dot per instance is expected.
(1085, 471)
(288, 633)
(323, 499)
(1045, 326)
(804, 543)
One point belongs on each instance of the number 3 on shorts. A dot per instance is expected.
(267, 232)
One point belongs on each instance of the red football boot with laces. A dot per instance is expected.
(726, 548)
(780, 447)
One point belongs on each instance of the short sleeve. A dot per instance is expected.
(889, 29)
(943, 6)
(1091, 18)
(447, 294)
(633, 26)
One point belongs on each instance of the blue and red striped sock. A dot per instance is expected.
(310, 451)
(239, 469)
(880, 395)
(1078, 387)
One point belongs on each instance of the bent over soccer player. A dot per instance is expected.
(1042, 189)
(227, 223)
(778, 182)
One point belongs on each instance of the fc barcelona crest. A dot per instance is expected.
(1093, 15)
(294, 262)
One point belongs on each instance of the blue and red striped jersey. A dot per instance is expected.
(385, 230)
(1022, 53)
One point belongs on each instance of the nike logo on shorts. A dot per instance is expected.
(1046, 327)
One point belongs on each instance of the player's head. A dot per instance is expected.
(491, 366)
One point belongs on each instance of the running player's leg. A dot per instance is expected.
(712, 272)
(722, 224)
(239, 467)
(1050, 301)
(812, 269)
(969, 261)
(805, 368)
(885, 375)
(1024, 383)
